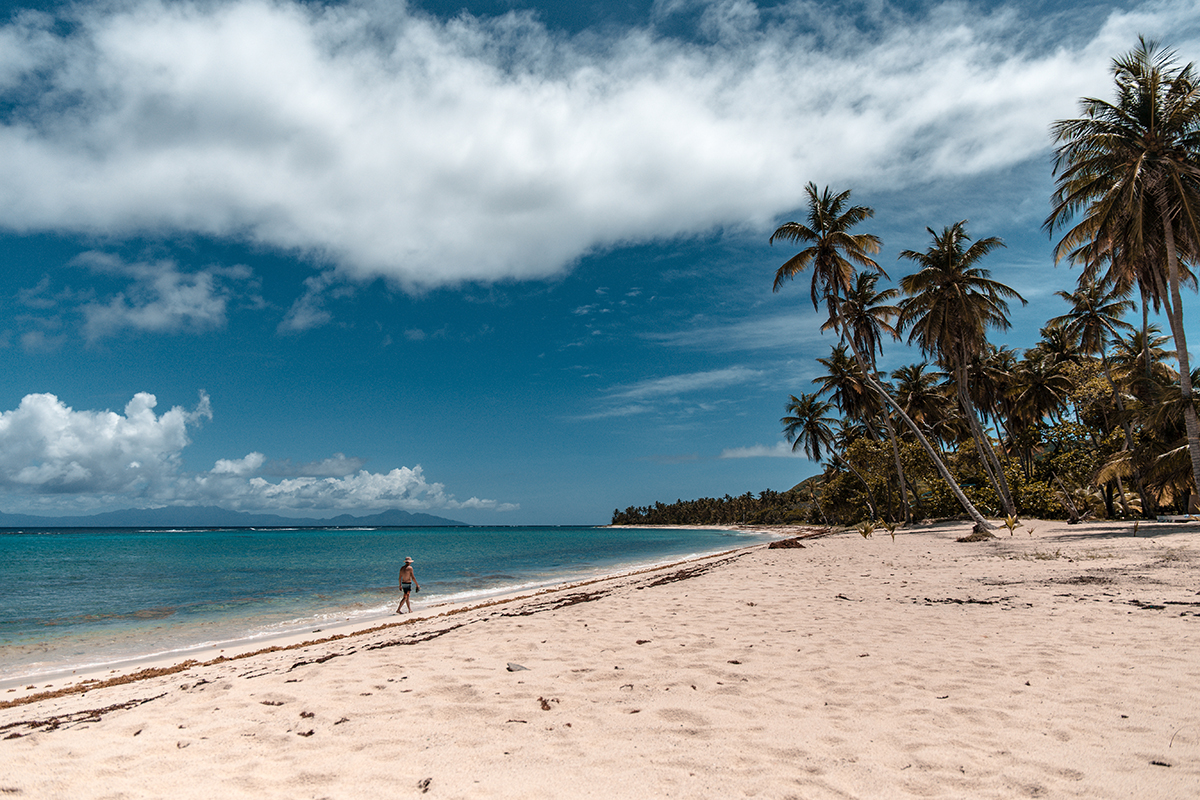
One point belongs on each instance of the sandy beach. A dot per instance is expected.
(1062, 661)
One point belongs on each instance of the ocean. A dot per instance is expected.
(73, 598)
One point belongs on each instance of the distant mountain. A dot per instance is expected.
(214, 517)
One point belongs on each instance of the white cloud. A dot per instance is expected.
(54, 459)
(403, 487)
(796, 329)
(388, 143)
(778, 450)
(309, 309)
(160, 298)
(239, 466)
(672, 385)
(658, 394)
(46, 447)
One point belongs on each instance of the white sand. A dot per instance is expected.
(1062, 664)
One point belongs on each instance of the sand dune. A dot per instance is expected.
(1059, 662)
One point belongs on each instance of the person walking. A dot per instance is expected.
(408, 584)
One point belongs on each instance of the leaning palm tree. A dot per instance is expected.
(865, 315)
(919, 395)
(950, 303)
(832, 255)
(1132, 167)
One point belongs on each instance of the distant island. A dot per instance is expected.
(214, 517)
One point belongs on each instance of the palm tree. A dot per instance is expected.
(864, 315)
(949, 305)
(1040, 389)
(990, 377)
(1095, 318)
(1138, 361)
(1058, 344)
(832, 255)
(920, 396)
(845, 385)
(847, 434)
(808, 425)
(1132, 167)
(834, 251)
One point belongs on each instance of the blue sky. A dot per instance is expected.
(502, 262)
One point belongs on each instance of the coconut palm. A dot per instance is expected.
(1139, 361)
(1058, 344)
(1096, 318)
(864, 315)
(846, 435)
(843, 382)
(920, 396)
(832, 254)
(949, 304)
(808, 426)
(834, 250)
(1132, 167)
(1040, 389)
(990, 378)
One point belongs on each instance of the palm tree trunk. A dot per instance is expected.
(1124, 502)
(991, 465)
(1125, 429)
(1145, 330)
(891, 431)
(1175, 316)
(981, 524)
(870, 494)
(812, 492)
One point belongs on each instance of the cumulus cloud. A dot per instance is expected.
(247, 465)
(404, 487)
(385, 142)
(75, 460)
(47, 447)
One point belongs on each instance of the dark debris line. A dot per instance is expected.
(74, 718)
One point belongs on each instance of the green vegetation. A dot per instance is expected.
(1090, 422)
(769, 508)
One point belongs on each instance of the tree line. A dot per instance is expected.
(768, 508)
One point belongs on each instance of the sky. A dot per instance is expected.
(503, 262)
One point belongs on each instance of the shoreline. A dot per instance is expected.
(1063, 661)
(80, 679)
(53, 661)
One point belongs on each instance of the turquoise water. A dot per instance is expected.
(71, 598)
